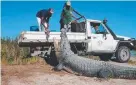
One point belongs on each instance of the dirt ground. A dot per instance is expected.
(42, 74)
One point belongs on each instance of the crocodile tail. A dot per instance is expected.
(126, 73)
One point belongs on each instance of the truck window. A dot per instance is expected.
(97, 28)
(78, 27)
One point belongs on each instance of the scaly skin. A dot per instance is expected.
(90, 67)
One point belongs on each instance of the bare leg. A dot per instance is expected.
(46, 30)
(39, 23)
(45, 26)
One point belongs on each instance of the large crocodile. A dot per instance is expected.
(90, 67)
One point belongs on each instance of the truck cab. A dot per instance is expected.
(101, 41)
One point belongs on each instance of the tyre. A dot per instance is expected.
(123, 54)
(105, 57)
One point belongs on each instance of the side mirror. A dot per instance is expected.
(104, 35)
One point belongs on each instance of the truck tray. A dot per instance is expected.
(39, 38)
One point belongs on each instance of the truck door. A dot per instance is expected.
(101, 40)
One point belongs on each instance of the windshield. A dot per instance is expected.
(112, 33)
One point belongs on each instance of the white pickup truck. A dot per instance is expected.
(84, 41)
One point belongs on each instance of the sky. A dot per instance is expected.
(18, 16)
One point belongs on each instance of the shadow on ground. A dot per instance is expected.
(52, 59)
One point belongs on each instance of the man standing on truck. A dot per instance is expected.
(66, 16)
(43, 17)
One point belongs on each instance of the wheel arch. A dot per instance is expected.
(124, 43)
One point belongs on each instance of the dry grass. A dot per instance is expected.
(132, 62)
(19, 61)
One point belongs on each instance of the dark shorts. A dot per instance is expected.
(61, 24)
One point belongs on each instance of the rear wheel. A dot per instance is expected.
(123, 54)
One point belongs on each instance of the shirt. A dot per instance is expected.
(45, 14)
(95, 31)
(67, 15)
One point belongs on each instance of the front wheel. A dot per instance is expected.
(123, 54)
